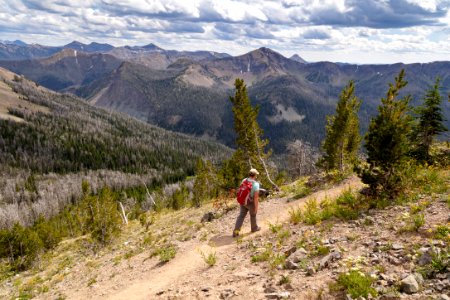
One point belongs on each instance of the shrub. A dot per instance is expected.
(312, 215)
(167, 253)
(21, 246)
(263, 256)
(277, 261)
(103, 219)
(275, 228)
(47, 232)
(209, 259)
(295, 215)
(355, 283)
(440, 263)
(284, 280)
(413, 222)
(442, 232)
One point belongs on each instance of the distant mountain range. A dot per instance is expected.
(188, 91)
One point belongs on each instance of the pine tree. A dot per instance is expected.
(430, 123)
(206, 182)
(342, 132)
(387, 142)
(250, 151)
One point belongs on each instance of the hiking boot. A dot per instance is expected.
(257, 229)
(236, 233)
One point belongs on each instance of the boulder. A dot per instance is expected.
(290, 265)
(409, 285)
(278, 295)
(298, 255)
(425, 258)
(326, 260)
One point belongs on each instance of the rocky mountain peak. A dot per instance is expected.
(152, 47)
(297, 58)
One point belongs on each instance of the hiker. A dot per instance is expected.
(251, 205)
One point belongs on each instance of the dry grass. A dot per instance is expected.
(9, 99)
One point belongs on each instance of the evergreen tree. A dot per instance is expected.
(342, 139)
(250, 151)
(387, 142)
(430, 123)
(206, 182)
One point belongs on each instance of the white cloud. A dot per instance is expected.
(357, 30)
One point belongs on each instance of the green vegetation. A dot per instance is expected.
(43, 160)
(442, 232)
(276, 227)
(345, 207)
(250, 151)
(355, 283)
(264, 255)
(440, 263)
(342, 139)
(97, 215)
(413, 222)
(210, 259)
(295, 215)
(430, 124)
(311, 215)
(206, 185)
(166, 253)
(285, 279)
(388, 143)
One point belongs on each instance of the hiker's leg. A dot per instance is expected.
(240, 218)
(253, 223)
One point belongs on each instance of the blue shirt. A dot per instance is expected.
(255, 186)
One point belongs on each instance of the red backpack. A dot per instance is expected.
(243, 193)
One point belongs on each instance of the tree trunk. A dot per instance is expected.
(264, 163)
(124, 216)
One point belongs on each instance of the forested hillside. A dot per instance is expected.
(188, 91)
(54, 141)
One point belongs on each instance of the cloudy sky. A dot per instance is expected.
(357, 31)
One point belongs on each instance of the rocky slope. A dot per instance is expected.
(285, 260)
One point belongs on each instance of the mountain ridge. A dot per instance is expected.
(294, 97)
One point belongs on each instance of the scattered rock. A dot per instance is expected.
(444, 297)
(291, 250)
(425, 258)
(205, 289)
(419, 278)
(270, 289)
(394, 260)
(208, 217)
(279, 295)
(310, 270)
(397, 246)
(326, 260)
(409, 285)
(289, 287)
(290, 265)
(389, 296)
(369, 220)
(299, 255)
(227, 293)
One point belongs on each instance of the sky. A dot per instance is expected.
(353, 31)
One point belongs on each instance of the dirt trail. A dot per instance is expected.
(189, 262)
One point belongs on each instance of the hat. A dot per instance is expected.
(253, 172)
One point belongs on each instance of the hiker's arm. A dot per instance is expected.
(256, 200)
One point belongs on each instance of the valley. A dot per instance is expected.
(187, 91)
